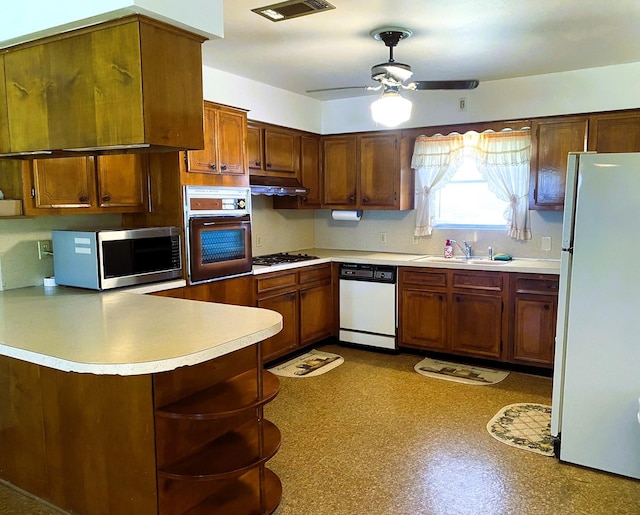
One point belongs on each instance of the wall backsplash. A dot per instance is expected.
(19, 263)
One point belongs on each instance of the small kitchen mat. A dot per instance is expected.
(459, 373)
(524, 426)
(309, 364)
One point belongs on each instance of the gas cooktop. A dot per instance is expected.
(280, 258)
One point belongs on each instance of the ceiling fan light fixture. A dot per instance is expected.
(391, 109)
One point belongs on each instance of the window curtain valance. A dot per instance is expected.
(501, 157)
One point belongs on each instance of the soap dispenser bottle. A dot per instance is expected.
(448, 249)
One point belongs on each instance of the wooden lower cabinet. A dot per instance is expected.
(304, 298)
(534, 300)
(482, 314)
(192, 440)
(423, 308)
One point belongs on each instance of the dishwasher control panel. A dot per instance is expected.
(371, 273)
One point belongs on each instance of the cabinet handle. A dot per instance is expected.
(546, 307)
(365, 200)
(212, 166)
(258, 164)
(84, 198)
(304, 200)
(106, 198)
(458, 299)
(440, 298)
(223, 167)
(352, 199)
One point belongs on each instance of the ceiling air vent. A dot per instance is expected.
(293, 9)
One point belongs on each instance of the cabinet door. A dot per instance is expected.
(619, 132)
(475, 325)
(286, 340)
(339, 171)
(310, 170)
(281, 152)
(553, 140)
(535, 325)
(254, 148)
(316, 313)
(231, 130)
(122, 181)
(63, 183)
(423, 319)
(379, 170)
(205, 160)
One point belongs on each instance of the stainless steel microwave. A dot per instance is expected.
(105, 259)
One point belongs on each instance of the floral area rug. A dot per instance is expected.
(459, 373)
(524, 426)
(309, 364)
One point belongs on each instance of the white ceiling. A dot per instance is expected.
(452, 39)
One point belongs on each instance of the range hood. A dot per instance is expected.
(280, 186)
(102, 89)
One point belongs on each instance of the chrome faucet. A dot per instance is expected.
(466, 249)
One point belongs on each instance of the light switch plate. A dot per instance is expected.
(546, 243)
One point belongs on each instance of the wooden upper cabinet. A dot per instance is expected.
(223, 160)
(340, 171)
(379, 170)
(105, 86)
(310, 177)
(5, 144)
(363, 172)
(255, 148)
(273, 151)
(615, 132)
(62, 183)
(122, 181)
(552, 141)
(80, 185)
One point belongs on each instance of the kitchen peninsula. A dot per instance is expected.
(116, 403)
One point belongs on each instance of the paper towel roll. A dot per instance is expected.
(350, 216)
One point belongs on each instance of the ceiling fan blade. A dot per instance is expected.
(443, 84)
(367, 88)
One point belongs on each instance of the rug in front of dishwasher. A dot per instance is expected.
(309, 364)
(459, 373)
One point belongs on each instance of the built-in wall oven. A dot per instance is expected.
(217, 232)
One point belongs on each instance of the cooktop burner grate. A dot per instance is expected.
(280, 258)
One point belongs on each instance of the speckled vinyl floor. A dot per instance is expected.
(374, 437)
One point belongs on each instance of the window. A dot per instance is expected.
(467, 201)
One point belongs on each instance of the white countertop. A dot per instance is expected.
(123, 333)
(523, 265)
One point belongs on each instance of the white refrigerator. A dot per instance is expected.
(596, 380)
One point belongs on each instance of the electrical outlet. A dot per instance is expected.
(383, 237)
(416, 240)
(44, 249)
(258, 241)
(545, 243)
(462, 104)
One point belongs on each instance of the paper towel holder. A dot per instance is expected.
(346, 215)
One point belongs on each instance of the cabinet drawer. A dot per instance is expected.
(421, 277)
(536, 284)
(489, 281)
(275, 282)
(313, 274)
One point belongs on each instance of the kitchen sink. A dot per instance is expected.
(459, 260)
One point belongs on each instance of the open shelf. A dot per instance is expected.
(224, 399)
(242, 495)
(233, 453)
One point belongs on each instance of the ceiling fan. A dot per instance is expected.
(392, 75)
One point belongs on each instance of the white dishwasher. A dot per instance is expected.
(368, 305)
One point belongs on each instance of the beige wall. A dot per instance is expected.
(19, 263)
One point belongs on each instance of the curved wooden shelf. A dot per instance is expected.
(233, 453)
(242, 495)
(224, 399)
